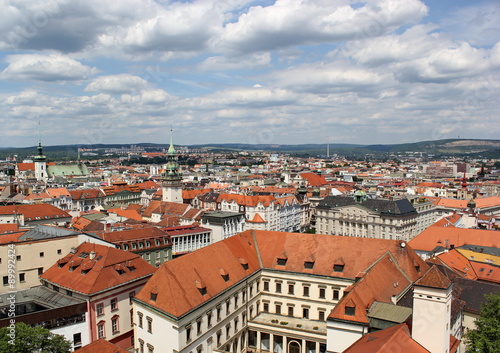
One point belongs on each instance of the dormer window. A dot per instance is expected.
(243, 263)
(202, 288)
(338, 265)
(350, 308)
(282, 259)
(309, 263)
(224, 274)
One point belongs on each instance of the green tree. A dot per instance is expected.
(485, 337)
(22, 338)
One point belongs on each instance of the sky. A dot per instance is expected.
(241, 71)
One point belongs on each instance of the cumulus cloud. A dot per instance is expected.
(117, 84)
(47, 68)
(298, 22)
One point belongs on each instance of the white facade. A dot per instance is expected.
(431, 318)
(71, 332)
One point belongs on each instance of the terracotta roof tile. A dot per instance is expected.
(434, 278)
(102, 346)
(101, 275)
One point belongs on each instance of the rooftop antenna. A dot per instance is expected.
(328, 147)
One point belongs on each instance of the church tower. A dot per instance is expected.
(40, 162)
(172, 177)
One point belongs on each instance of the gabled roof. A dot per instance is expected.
(393, 339)
(314, 179)
(433, 278)
(102, 346)
(175, 280)
(132, 234)
(257, 219)
(109, 268)
(432, 237)
(31, 212)
(86, 194)
(246, 200)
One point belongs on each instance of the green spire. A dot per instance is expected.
(40, 156)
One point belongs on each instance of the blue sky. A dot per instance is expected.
(226, 71)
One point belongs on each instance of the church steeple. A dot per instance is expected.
(172, 176)
(40, 160)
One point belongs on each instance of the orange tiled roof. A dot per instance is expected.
(459, 263)
(486, 272)
(382, 281)
(86, 194)
(447, 236)
(257, 219)
(8, 228)
(31, 212)
(111, 267)
(129, 214)
(314, 179)
(10, 237)
(190, 194)
(246, 200)
(102, 346)
(176, 280)
(132, 234)
(397, 338)
(434, 278)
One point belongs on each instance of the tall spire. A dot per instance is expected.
(171, 149)
(40, 156)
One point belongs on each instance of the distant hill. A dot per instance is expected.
(474, 148)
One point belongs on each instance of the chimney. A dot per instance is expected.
(92, 255)
(73, 250)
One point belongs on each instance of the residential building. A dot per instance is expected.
(31, 215)
(107, 279)
(223, 224)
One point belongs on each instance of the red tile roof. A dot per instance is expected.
(314, 179)
(246, 200)
(31, 212)
(393, 339)
(447, 236)
(433, 278)
(176, 279)
(132, 234)
(109, 268)
(102, 346)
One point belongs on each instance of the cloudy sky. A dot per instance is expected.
(225, 71)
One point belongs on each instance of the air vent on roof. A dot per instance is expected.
(243, 262)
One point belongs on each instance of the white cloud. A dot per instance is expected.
(249, 62)
(297, 22)
(47, 68)
(117, 84)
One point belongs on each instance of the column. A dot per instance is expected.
(258, 341)
(317, 347)
(271, 342)
(303, 346)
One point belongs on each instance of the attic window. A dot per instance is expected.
(84, 272)
(243, 262)
(282, 259)
(350, 308)
(338, 265)
(119, 268)
(309, 263)
(224, 274)
(130, 266)
(83, 255)
(202, 288)
(153, 296)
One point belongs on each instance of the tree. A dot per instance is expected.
(485, 337)
(22, 338)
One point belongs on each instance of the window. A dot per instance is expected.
(266, 286)
(114, 304)
(198, 326)
(131, 317)
(42, 254)
(338, 268)
(131, 295)
(218, 310)
(188, 334)
(282, 262)
(236, 300)
(305, 291)
(100, 330)
(219, 336)
(209, 319)
(265, 307)
(139, 316)
(148, 256)
(228, 303)
(22, 277)
(322, 293)
(114, 324)
(278, 309)
(150, 324)
(305, 313)
(141, 346)
(18, 258)
(291, 289)
(151, 349)
(99, 308)
(290, 311)
(40, 270)
(336, 294)
(309, 265)
(350, 310)
(228, 329)
(77, 340)
(278, 287)
(321, 315)
(5, 280)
